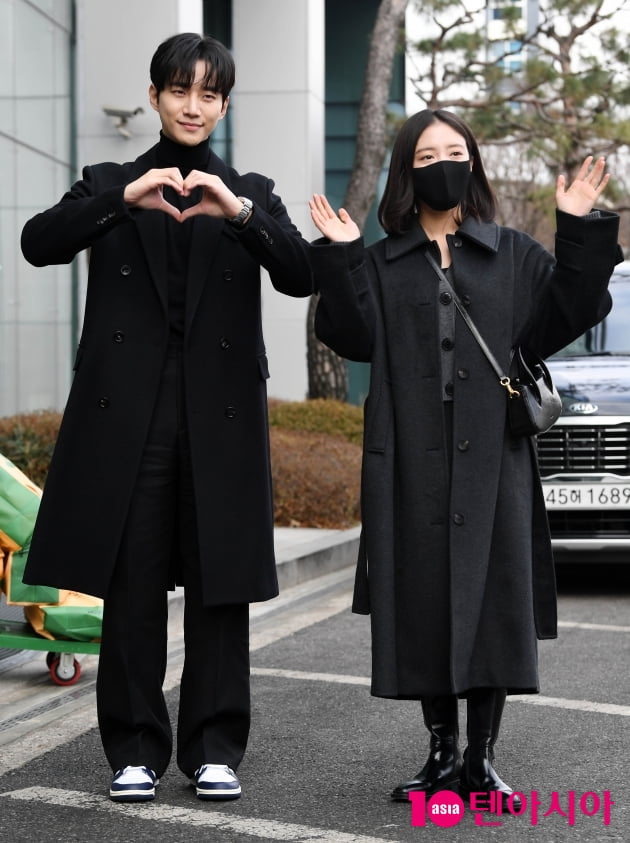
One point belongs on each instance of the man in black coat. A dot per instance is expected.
(161, 471)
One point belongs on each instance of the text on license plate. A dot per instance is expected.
(586, 496)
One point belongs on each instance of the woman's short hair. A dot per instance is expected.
(397, 211)
(175, 62)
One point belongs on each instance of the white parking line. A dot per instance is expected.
(573, 705)
(340, 678)
(598, 627)
(529, 699)
(157, 812)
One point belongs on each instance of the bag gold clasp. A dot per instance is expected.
(513, 393)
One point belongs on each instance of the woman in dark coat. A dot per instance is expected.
(455, 563)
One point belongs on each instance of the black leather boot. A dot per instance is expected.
(485, 709)
(441, 772)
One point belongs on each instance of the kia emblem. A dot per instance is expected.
(583, 408)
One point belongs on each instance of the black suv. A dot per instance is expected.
(585, 458)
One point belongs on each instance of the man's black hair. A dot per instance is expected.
(175, 62)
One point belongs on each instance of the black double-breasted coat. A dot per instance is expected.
(455, 563)
(118, 368)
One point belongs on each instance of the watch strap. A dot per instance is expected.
(243, 214)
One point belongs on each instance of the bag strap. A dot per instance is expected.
(504, 380)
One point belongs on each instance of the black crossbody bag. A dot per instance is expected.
(534, 404)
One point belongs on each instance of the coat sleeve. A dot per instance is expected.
(345, 319)
(274, 241)
(570, 295)
(83, 215)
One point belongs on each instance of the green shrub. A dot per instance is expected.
(28, 440)
(318, 416)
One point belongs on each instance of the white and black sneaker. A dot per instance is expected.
(216, 781)
(133, 784)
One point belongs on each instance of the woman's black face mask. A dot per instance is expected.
(442, 185)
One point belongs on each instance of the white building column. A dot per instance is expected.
(278, 128)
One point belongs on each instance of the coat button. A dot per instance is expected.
(458, 519)
(465, 300)
(103, 403)
(118, 336)
(265, 235)
(457, 243)
(227, 274)
(125, 269)
(230, 412)
(463, 445)
(463, 374)
(448, 344)
(448, 388)
(446, 298)
(224, 343)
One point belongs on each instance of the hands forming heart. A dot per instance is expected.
(147, 192)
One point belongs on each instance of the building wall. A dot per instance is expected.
(278, 127)
(35, 168)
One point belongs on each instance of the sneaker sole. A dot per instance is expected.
(218, 795)
(132, 796)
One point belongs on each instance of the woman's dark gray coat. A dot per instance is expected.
(455, 563)
(119, 366)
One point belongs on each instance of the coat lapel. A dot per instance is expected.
(203, 245)
(151, 227)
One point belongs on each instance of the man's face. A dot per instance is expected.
(189, 115)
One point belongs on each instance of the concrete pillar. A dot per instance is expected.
(278, 119)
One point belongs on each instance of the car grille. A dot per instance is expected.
(584, 450)
(591, 524)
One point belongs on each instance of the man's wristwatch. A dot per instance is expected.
(243, 214)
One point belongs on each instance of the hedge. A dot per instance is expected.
(315, 458)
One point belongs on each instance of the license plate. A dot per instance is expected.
(587, 496)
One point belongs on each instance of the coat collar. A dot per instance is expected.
(483, 234)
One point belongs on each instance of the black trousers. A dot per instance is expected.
(161, 536)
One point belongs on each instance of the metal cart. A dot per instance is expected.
(62, 665)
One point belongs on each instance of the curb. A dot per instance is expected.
(316, 556)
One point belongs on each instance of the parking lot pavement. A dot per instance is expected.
(324, 754)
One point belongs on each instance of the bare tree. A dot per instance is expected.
(327, 373)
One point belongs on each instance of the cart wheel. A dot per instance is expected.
(50, 658)
(64, 669)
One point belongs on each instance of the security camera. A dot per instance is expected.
(121, 116)
(122, 113)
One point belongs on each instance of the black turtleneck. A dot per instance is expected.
(185, 158)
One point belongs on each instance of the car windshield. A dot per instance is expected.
(612, 334)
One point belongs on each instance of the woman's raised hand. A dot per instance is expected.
(585, 190)
(340, 228)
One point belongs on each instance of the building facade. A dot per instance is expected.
(37, 149)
